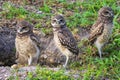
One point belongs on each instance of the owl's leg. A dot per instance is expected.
(99, 47)
(20, 61)
(17, 55)
(30, 59)
(35, 60)
(67, 58)
(100, 52)
(36, 57)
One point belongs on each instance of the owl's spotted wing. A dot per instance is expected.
(95, 25)
(66, 39)
(97, 31)
(35, 40)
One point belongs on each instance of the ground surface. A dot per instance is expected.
(80, 15)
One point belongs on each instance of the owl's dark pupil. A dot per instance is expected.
(54, 21)
(106, 12)
(24, 27)
(61, 20)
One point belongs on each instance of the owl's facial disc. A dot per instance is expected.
(58, 22)
(22, 30)
(107, 13)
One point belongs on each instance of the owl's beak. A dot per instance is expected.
(59, 22)
(112, 14)
(19, 30)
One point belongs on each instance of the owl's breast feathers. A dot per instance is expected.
(66, 39)
(27, 44)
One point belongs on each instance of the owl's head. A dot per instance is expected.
(106, 12)
(58, 21)
(24, 27)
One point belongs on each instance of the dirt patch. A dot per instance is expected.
(7, 46)
(22, 73)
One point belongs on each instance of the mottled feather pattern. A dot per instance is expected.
(67, 40)
(27, 44)
(35, 39)
(98, 30)
(95, 25)
(102, 29)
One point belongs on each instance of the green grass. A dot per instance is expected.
(45, 74)
(77, 14)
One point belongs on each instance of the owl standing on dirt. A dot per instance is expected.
(63, 38)
(102, 29)
(27, 44)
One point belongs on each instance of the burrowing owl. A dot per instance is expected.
(63, 38)
(27, 44)
(102, 29)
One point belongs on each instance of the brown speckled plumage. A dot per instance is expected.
(26, 43)
(63, 38)
(102, 29)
